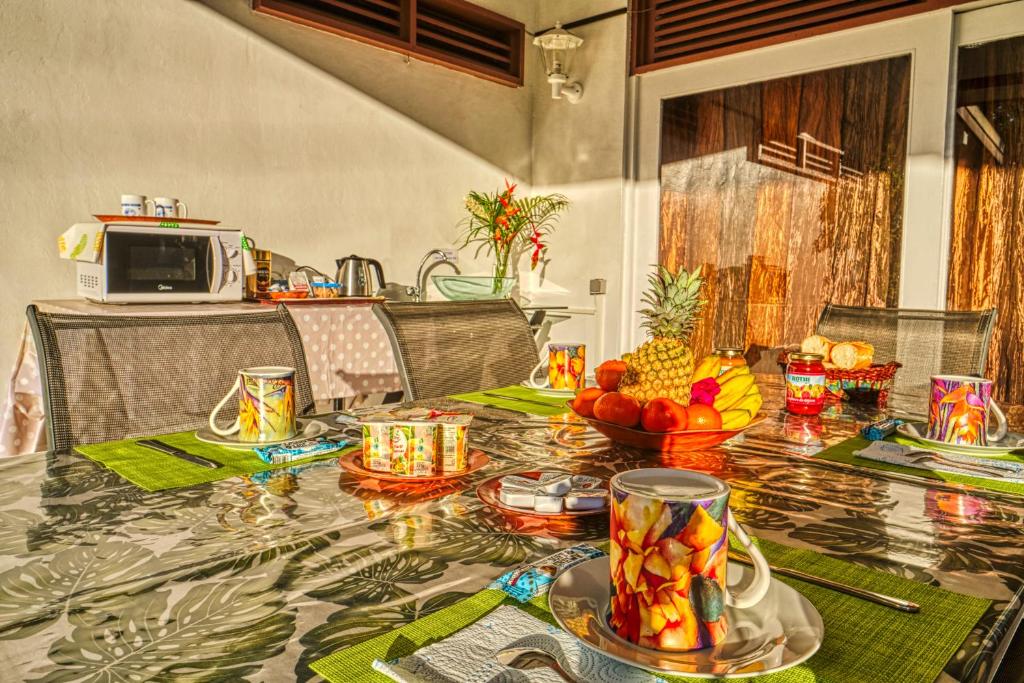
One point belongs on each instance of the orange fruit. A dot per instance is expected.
(618, 409)
(583, 404)
(663, 415)
(609, 374)
(700, 416)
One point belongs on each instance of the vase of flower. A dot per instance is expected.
(507, 226)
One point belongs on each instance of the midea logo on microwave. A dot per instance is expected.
(164, 288)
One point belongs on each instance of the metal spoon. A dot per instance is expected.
(526, 658)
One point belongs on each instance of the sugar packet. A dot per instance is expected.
(530, 580)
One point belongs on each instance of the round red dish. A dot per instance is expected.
(488, 492)
(353, 462)
(667, 442)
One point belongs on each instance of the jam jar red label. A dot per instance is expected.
(805, 389)
(805, 384)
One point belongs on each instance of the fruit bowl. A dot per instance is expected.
(666, 442)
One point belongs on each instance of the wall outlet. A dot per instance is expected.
(451, 252)
(598, 286)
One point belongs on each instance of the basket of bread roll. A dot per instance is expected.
(850, 370)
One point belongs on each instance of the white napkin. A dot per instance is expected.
(898, 454)
(468, 655)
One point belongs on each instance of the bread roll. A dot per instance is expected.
(852, 355)
(817, 344)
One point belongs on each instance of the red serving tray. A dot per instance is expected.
(118, 218)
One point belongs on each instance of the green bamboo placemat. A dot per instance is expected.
(156, 471)
(863, 641)
(843, 452)
(557, 404)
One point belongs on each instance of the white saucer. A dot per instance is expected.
(557, 393)
(917, 430)
(206, 435)
(782, 630)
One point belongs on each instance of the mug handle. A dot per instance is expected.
(220, 406)
(533, 373)
(182, 210)
(1000, 416)
(145, 207)
(762, 574)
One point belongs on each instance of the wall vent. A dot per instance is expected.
(452, 33)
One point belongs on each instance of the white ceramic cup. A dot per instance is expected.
(133, 205)
(167, 207)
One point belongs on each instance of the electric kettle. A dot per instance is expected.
(353, 276)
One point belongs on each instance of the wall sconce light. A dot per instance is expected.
(557, 48)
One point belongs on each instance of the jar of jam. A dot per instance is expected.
(805, 383)
(731, 357)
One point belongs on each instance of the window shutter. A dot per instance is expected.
(452, 33)
(670, 32)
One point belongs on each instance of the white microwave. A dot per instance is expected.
(152, 264)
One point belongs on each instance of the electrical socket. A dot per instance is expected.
(451, 252)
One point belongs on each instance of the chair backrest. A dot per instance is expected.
(926, 343)
(451, 347)
(122, 376)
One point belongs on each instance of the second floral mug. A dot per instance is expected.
(959, 411)
(669, 554)
(266, 405)
(567, 367)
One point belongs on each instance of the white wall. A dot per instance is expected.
(168, 97)
(578, 150)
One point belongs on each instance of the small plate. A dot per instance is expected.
(1008, 444)
(489, 490)
(353, 462)
(312, 429)
(781, 631)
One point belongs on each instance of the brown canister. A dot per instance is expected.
(262, 257)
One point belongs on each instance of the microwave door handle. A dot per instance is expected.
(215, 259)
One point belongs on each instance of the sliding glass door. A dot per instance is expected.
(986, 249)
(841, 169)
(789, 193)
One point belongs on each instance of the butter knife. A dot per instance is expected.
(157, 445)
(864, 594)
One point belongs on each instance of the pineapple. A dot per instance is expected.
(663, 365)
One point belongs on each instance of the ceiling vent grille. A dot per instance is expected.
(452, 33)
(670, 32)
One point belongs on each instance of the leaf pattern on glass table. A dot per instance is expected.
(216, 631)
(348, 627)
(15, 526)
(481, 539)
(839, 537)
(369, 579)
(74, 581)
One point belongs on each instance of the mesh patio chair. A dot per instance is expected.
(926, 343)
(114, 377)
(445, 348)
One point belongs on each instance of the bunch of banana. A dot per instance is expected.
(711, 366)
(739, 398)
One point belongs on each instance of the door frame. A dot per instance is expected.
(929, 38)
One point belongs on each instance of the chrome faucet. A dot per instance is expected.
(419, 292)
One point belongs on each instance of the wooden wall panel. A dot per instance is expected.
(779, 237)
(986, 260)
